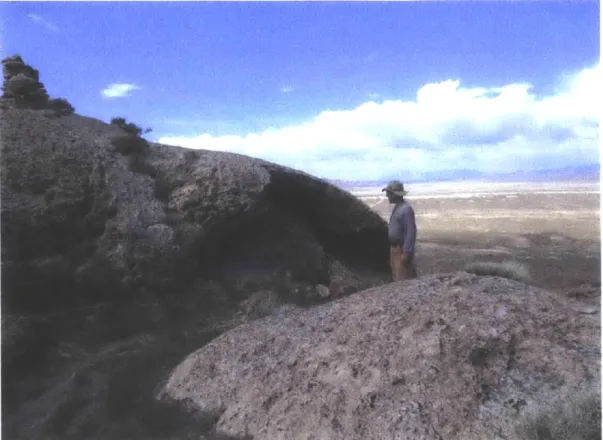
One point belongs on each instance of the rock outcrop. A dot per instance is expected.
(453, 356)
(116, 251)
(22, 89)
(121, 257)
(80, 217)
(22, 84)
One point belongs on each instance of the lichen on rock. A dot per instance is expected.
(426, 359)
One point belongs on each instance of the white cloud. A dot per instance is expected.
(119, 90)
(287, 89)
(40, 20)
(447, 127)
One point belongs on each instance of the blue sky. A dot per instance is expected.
(358, 90)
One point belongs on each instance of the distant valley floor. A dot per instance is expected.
(552, 228)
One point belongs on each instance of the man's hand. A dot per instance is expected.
(403, 255)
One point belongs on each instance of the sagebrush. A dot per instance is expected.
(129, 127)
(128, 144)
(512, 270)
(61, 107)
(563, 415)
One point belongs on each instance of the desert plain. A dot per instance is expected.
(553, 228)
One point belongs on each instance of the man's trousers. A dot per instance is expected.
(402, 269)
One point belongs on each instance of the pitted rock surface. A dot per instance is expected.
(109, 239)
(22, 86)
(76, 211)
(448, 356)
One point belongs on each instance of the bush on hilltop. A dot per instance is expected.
(129, 127)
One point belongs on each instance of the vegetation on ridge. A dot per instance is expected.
(22, 89)
(61, 107)
(512, 270)
(129, 127)
(131, 143)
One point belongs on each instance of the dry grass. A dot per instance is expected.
(512, 270)
(567, 415)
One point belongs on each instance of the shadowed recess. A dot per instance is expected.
(331, 219)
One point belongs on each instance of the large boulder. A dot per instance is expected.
(121, 256)
(453, 356)
(89, 222)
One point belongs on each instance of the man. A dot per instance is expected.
(402, 232)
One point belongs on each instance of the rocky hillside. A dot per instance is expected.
(121, 257)
(117, 252)
(453, 356)
(92, 218)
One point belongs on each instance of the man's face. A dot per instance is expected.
(390, 196)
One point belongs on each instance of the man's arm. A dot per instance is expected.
(410, 232)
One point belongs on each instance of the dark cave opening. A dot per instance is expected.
(365, 248)
(295, 228)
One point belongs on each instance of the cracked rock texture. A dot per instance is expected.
(22, 86)
(93, 223)
(444, 357)
(119, 255)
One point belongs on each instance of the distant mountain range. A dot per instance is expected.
(576, 173)
(582, 173)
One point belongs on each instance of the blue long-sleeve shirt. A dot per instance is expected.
(402, 227)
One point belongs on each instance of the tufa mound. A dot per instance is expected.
(448, 356)
(116, 260)
(22, 89)
(22, 86)
(80, 214)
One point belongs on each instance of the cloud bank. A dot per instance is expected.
(446, 128)
(119, 90)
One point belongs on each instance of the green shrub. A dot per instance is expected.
(566, 415)
(129, 127)
(61, 107)
(128, 144)
(512, 270)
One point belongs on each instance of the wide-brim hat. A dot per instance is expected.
(395, 187)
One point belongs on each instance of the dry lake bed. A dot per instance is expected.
(553, 227)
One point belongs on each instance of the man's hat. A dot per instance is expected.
(395, 187)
